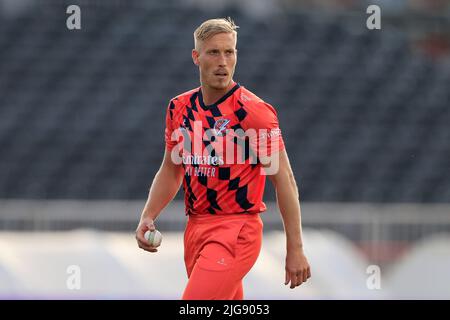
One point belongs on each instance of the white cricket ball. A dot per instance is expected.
(154, 238)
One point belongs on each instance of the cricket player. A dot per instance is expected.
(221, 141)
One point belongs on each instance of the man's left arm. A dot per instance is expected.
(297, 266)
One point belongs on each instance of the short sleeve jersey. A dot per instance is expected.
(220, 147)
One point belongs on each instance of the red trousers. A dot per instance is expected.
(219, 250)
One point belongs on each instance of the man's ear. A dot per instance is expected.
(195, 56)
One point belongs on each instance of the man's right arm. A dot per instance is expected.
(164, 187)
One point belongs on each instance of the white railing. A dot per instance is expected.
(382, 231)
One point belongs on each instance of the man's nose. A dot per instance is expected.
(222, 60)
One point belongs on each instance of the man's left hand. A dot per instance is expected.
(297, 268)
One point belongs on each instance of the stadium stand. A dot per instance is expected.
(364, 117)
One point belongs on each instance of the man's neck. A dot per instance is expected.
(211, 95)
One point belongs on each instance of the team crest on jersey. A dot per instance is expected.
(220, 127)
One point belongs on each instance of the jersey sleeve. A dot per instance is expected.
(263, 118)
(170, 144)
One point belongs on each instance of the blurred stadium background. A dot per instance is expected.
(365, 115)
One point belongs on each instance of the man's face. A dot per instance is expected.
(216, 59)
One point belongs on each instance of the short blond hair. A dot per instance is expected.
(212, 27)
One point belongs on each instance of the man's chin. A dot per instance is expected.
(220, 85)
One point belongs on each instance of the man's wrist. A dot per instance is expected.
(147, 214)
(296, 245)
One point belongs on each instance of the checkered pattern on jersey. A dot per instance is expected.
(224, 173)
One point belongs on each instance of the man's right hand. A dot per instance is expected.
(144, 225)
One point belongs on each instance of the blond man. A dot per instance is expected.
(237, 143)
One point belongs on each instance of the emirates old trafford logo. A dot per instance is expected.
(220, 127)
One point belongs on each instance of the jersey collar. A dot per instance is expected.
(225, 97)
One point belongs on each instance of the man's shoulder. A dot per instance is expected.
(183, 98)
(254, 103)
(247, 97)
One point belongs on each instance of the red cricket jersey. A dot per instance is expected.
(219, 146)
